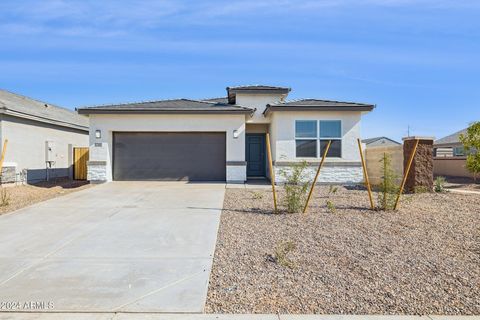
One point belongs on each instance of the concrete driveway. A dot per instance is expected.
(121, 246)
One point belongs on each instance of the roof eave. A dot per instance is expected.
(130, 111)
(271, 108)
(14, 113)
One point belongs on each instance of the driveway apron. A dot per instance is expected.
(120, 246)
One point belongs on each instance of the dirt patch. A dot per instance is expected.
(24, 195)
(423, 259)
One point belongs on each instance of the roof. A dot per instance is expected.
(23, 107)
(318, 105)
(254, 89)
(257, 88)
(372, 140)
(173, 106)
(451, 139)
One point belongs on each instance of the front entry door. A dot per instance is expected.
(255, 154)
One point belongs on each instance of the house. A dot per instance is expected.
(41, 138)
(450, 146)
(224, 139)
(380, 142)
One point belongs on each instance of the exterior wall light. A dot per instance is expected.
(235, 134)
(98, 134)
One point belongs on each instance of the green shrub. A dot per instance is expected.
(388, 186)
(296, 187)
(440, 184)
(331, 206)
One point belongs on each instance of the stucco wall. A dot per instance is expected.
(259, 102)
(26, 146)
(101, 149)
(451, 167)
(283, 134)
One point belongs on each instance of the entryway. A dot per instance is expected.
(255, 154)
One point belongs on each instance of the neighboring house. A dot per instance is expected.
(380, 142)
(40, 135)
(224, 139)
(450, 146)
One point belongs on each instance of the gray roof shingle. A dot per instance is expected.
(451, 139)
(167, 106)
(318, 105)
(20, 106)
(371, 140)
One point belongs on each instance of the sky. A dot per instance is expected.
(417, 60)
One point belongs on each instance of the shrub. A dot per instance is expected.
(388, 186)
(471, 143)
(296, 187)
(440, 184)
(331, 206)
(257, 195)
(281, 254)
(4, 197)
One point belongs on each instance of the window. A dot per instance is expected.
(331, 130)
(306, 139)
(458, 151)
(313, 135)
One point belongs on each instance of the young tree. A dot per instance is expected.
(471, 143)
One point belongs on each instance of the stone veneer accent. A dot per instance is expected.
(330, 174)
(421, 172)
(236, 173)
(8, 174)
(97, 171)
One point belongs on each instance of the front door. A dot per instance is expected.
(255, 154)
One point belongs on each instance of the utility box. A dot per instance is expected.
(50, 152)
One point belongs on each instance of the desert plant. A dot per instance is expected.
(439, 184)
(332, 189)
(257, 195)
(4, 197)
(282, 251)
(296, 187)
(471, 143)
(388, 186)
(331, 206)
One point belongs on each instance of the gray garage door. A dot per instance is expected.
(169, 156)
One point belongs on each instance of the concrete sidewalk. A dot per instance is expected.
(153, 316)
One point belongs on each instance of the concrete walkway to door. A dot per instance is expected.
(121, 246)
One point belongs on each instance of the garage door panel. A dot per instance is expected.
(198, 156)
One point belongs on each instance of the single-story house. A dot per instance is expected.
(380, 142)
(450, 146)
(224, 139)
(40, 136)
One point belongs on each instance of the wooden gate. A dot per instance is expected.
(80, 158)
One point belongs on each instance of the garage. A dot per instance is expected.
(169, 156)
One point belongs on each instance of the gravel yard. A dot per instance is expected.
(20, 196)
(423, 259)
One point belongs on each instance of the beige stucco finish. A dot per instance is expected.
(26, 145)
(165, 123)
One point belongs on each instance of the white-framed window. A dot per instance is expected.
(312, 136)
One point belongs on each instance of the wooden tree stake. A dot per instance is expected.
(316, 176)
(404, 180)
(365, 175)
(272, 175)
(4, 150)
